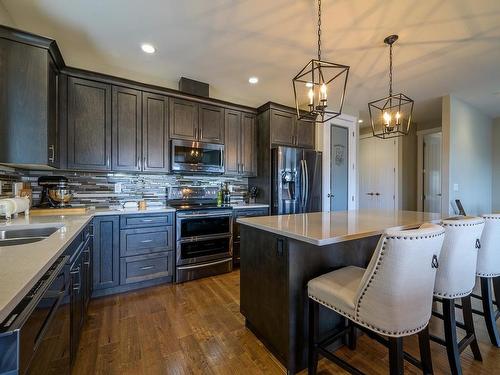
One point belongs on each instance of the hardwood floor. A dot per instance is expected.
(196, 328)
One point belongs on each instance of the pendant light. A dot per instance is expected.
(319, 88)
(390, 117)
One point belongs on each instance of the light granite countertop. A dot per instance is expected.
(325, 228)
(21, 266)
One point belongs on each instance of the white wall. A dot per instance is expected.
(467, 144)
(5, 18)
(495, 190)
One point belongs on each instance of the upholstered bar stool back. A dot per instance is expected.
(395, 294)
(456, 275)
(488, 261)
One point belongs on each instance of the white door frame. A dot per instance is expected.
(349, 122)
(397, 165)
(420, 164)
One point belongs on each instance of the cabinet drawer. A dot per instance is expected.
(137, 221)
(145, 267)
(145, 240)
(252, 212)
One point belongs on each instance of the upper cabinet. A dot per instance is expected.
(192, 121)
(89, 125)
(287, 130)
(241, 143)
(155, 156)
(127, 129)
(211, 124)
(28, 99)
(183, 119)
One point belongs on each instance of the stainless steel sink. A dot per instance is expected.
(21, 236)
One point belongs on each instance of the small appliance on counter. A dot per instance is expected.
(55, 192)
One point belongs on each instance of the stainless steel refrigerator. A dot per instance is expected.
(295, 181)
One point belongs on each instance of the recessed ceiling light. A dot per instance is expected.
(253, 80)
(309, 84)
(148, 48)
(360, 121)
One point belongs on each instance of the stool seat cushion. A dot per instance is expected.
(338, 289)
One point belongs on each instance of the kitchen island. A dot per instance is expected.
(280, 254)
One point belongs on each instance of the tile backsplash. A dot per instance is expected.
(112, 189)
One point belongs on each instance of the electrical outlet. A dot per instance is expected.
(118, 187)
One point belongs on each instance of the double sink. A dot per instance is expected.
(20, 235)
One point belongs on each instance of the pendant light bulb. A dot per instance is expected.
(387, 118)
(310, 94)
(398, 117)
(323, 92)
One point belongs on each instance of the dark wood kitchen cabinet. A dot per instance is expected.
(287, 130)
(183, 119)
(192, 121)
(241, 143)
(155, 156)
(126, 129)
(211, 124)
(28, 99)
(106, 252)
(89, 125)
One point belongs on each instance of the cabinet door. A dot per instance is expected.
(89, 125)
(305, 134)
(76, 303)
(211, 124)
(248, 145)
(155, 133)
(127, 129)
(53, 150)
(233, 141)
(106, 252)
(282, 128)
(183, 119)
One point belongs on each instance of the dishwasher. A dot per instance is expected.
(35, 337)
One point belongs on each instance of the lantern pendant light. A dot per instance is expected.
(390, 117)
(319, 88)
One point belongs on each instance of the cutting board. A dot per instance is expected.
(58, 211)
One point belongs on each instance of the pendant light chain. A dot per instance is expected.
(390, 69)
(319, 30)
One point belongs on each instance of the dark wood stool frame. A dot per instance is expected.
(489, 313)
(349, 332)
(453, 347)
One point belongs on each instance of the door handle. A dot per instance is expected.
(330, 195)
(52, 157)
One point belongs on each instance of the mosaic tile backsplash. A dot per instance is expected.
(113, 189)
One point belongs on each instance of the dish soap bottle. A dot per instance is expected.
(219, 196)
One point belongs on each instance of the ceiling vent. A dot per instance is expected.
(190, 86)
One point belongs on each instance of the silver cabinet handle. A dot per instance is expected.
(147, 220)
(146, 241)
(147, 268)
(52, 157)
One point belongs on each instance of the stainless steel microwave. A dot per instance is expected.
(188, 156)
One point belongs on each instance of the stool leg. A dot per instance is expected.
(450, 333)
(424, 342)
(353, 336)
(396, 359)
(496, 288)
(313, 337)
(469, 326)
(489, 311)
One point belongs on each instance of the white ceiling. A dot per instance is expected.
(445, 46)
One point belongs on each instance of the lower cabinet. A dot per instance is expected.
(248, 212)
(132, 251)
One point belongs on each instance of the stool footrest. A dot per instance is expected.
(339, 361)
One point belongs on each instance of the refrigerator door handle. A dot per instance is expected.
(302, 184)
(306, 183)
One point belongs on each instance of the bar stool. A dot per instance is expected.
(455, 278)
(488, 270)
(388, 300)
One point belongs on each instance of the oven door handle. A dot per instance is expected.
(190, 216)
(202, 265)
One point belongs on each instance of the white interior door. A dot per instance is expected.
(378, 173)
(432, 172)
(339, 164)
